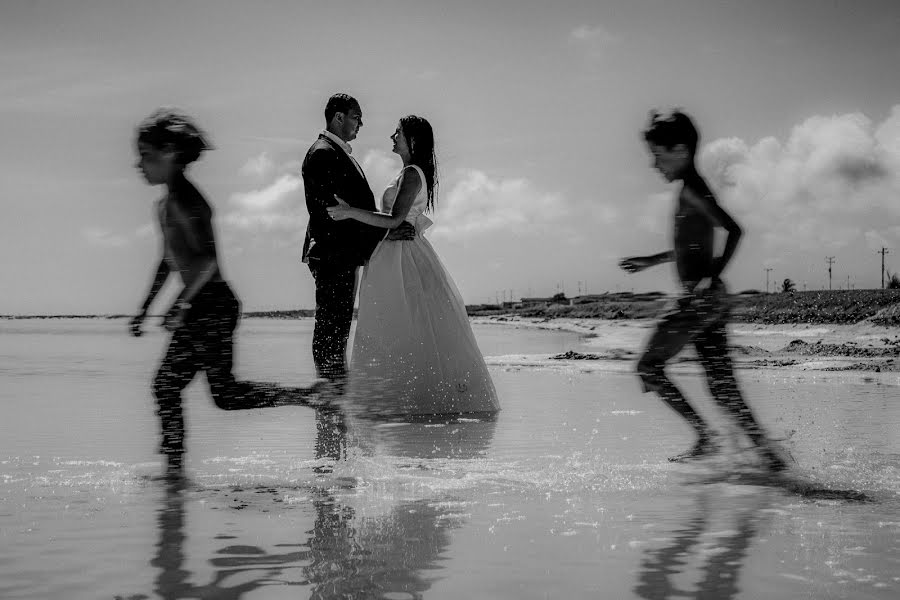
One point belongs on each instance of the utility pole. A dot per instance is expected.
(882, 252)
(767, 278)
(830, 261)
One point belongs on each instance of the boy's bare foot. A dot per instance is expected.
(774, 458)
(704, 447)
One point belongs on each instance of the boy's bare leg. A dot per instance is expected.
(176, 371)
(212, 341)
(672, 396)
(672, 333)
(712, 347)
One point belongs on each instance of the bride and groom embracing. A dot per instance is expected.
(414, 352)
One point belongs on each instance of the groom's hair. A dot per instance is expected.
(339, 103)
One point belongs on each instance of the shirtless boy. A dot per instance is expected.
(205, 314)
(701, 315)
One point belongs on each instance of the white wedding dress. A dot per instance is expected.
(414, 352)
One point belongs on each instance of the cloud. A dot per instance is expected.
(278, 207)
(104, 238)
(472, 203)
(595, 40)
(275, 207)
(258, 166)
(269, 198)
(478, 204)
(833, 182)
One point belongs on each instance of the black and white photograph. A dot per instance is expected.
(433, 300)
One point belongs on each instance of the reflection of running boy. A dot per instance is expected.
(701, 314)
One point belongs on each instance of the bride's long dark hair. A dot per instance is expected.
(420, 138)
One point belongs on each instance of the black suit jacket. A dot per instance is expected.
(328, 171)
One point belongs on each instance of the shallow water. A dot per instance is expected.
(565, 494)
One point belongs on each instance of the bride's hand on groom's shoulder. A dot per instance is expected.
(340, 211)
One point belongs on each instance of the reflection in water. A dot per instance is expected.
(351, 559)
(348, 555)
(172, 580)
(331, 436)
(721, 553)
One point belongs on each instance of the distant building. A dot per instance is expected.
(536, 301)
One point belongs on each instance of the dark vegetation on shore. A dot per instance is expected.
(882, 307)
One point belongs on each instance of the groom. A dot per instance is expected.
(334, 250)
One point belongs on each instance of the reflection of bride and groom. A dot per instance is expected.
(348, 553)
(414, 351)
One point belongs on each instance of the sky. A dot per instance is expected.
(537, 108)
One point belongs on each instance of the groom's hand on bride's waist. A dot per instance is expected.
(403, 232)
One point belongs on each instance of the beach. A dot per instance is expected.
(566, 493)
(864, 347)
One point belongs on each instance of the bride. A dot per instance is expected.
(414, 352)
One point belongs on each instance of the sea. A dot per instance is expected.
(566, 493)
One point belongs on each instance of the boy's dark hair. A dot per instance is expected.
(169, 126)
(339, 103)
(670, 130)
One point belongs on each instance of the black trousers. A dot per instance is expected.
(335, 293)
(204, 343)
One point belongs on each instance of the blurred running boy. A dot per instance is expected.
(701, 314)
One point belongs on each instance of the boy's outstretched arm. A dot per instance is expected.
(633, 264)
(717, 215)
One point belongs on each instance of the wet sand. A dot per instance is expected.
(567, 493)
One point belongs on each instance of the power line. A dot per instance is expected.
(767, 278)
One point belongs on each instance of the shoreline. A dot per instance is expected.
(822, 307)
(860, 347)
(866, 345)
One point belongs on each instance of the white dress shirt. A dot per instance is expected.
(345, 147)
